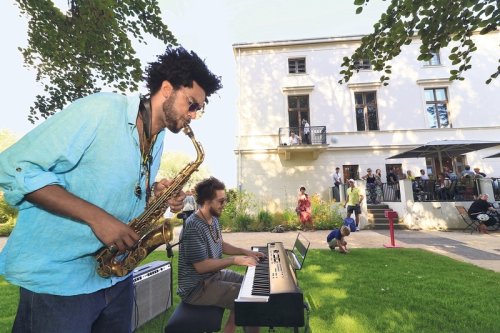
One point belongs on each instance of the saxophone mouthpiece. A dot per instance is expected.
(188, 131)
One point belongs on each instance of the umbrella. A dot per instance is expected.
(443, 148)
(493, 156)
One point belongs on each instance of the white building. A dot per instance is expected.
(357, 125)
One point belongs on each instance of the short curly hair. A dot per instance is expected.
(180, 68)
(205, 190)
(345, 231)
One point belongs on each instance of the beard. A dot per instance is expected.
(215, 213)
(170, 114)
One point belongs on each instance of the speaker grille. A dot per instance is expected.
(153, 295)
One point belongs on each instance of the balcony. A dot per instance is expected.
(303, 146)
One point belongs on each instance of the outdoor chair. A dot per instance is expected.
(472, 224)
(429, 190)
(452, 190)
(468, 188)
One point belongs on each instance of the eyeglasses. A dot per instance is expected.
(194, 106)
(222, 201)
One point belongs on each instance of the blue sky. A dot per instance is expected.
(209, 28)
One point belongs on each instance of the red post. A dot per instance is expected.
(390, 214)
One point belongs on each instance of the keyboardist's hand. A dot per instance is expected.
(257, 255)
(246, 261)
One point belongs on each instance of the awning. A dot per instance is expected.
(493, 156)
(446, 148)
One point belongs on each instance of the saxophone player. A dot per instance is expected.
(78, 179)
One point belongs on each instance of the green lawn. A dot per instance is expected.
(372, 290)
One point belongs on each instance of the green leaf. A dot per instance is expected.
(359, 10)
(80, 52)
(437, 23)
(489, 10)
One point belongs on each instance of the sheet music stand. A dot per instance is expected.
(297, 255)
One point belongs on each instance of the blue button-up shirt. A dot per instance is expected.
(91, 148)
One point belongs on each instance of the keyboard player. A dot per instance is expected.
(202, 275)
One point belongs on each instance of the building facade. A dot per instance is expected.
(357, 125)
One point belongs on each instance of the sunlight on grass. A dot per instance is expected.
(400, 319)
(4, 283)
(349, 323)
(328, 277)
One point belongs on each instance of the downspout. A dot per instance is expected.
(240, 168)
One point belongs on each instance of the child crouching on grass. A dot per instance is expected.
(336, 238)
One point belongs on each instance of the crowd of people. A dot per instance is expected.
(437, 187)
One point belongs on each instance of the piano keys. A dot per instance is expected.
(269, 295)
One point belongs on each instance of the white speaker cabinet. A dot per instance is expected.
(153, 291)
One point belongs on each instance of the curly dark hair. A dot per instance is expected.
(180, 68)
(205, 190)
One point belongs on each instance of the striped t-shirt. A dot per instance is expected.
(198, 243)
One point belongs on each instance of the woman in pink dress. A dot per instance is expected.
(304, 210)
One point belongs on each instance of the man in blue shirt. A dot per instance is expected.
(467, 172)
(78, 179)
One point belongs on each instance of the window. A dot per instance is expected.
(435, 60)
(362, 64)
(436, 102)
(366, 111)
(297, 65)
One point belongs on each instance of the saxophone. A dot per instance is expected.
(152, 228)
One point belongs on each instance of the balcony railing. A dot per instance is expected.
(316, 136)
(381, 193)
(426, 190)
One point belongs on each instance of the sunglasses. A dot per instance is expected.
(194, 106)
(222, 201)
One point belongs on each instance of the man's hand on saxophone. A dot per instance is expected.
(116, 235)
(175, 203)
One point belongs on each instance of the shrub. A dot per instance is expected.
(8, 216)
(288, 219)
(238, 210)
(264, 220)
(239, 203)
(243, 222)
(239, 214)
(325, 216)
(6, 228)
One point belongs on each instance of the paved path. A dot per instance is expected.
(477, 249)
(480, 250)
